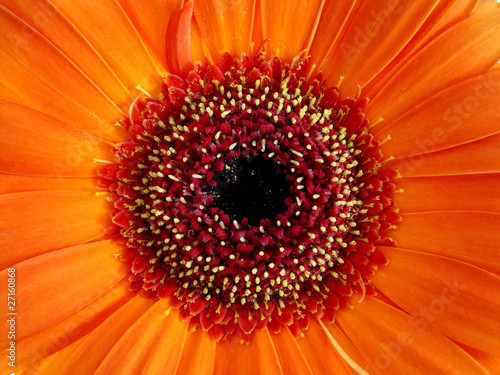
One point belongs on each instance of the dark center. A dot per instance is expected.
(251, 187)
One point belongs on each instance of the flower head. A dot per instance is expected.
(250, 186)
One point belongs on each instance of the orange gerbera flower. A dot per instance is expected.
(250, 187)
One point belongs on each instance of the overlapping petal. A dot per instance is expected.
(161, 337)
(395, 344)
(440, 64)
(34, 223)
(438, 292)
(297, 26)
(32, 143)
(36, 347)
(65, 93)
(231, 357)
(226, 27)
(378, 32)
(50, 290)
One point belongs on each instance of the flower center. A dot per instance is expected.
(253, 188)
(251, 196)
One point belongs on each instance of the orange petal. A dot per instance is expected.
(475, 193)
(50, 365)
(59, 335)
(198, 48)
(443, 16)
(489, 361)
(10, 183)
(34, 223)
(152, 345)
(32, 143)
(486, 6)
(150, 20)
(178, 39)
(319, 352)
(53, 84)
(441, 64)
(57, 285)
(291, 358)
(97, 344)
(51, 23)
(482, 156)
(376, 35)
(257, 37)
(121, 48)
(296, 26)
(225, 26)
(198, 354)
(236, 358)
(459, 300)
(164, 356)
(334, 16)
(392, 344)
(346, 345)
(457, 115)
(468, 236)
(9, 95)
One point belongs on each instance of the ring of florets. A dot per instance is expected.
(228, 275)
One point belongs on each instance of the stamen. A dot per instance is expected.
(251, 195)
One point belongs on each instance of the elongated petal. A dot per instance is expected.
(32, 143)
(51, 286)
(161, 336)
(296, 25)
(178, 39)
(164, 356)
(475, 193)
(457, 115)
(50, 365)
(347, 346)
(468, 236)
(52, 84)
(444, 15)
(9, 95)
(198, 354)
(333, 18)
(441, 64)
(53, 25)
(485, 6)
(376, 35)
(36, 346)
(226, 26)
(34, 223)
(320, 354)
(150, 20)
(481, 156)
(10, 183)
(122, 49)
(391, 344)
(235, 357)
(292, 360)
(489, 361)
(97, 344)
(455, 298)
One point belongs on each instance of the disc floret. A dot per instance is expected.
(225, 273)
